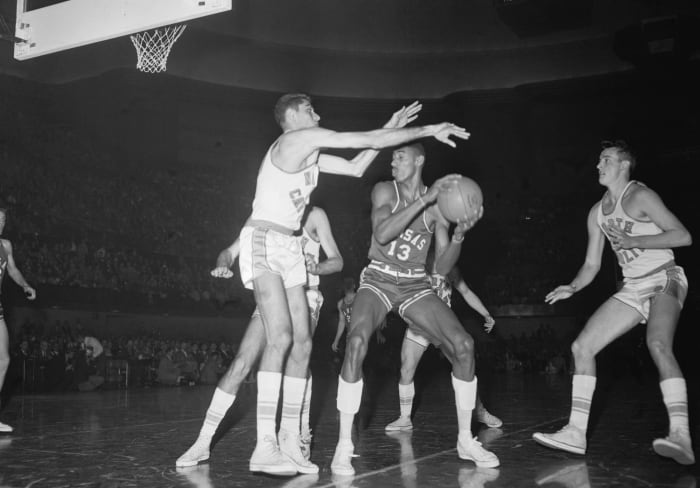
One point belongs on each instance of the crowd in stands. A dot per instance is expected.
(155, 233)
(90, 230)
(65, 357)
(82, 221)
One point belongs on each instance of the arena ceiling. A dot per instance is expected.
(396, 48)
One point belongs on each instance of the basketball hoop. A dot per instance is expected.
(153, 47)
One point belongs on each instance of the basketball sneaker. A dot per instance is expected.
(469, 448)
(197, 453)
(267, 458)
(5, 428)
(341, 464)
(569, 438)
(305, 445)
(401, 423)
(487, 418)
(290, 446)
(676, 446)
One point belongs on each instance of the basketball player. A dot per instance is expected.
(7, 263)
(404, 220)
(271, 261)
(316, 235)
(414, 345)
(641, 231)
(344, 307)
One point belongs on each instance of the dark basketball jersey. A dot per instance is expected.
(410, 249)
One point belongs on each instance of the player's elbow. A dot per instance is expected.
(382, 238)
(591, 268)
(686, 238)
(359, 172)
(338, 264)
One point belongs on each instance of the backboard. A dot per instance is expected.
(57, 25)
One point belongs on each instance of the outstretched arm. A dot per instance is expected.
(591, 266)
(359, 164)
(294, 147)
(15, 273)
(341, 326)
(474, 302)
(225, 261)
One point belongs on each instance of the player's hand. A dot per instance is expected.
(334, 346)
(222, 272)
(489, 322)
(465, 224)
(225, 259)
(404, 116)
(444, 131)
(312, 265)
(29, 292)
(446, 183)
(561, 292)
(619, 239)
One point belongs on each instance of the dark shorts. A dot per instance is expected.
(395, 289)
(2, 312)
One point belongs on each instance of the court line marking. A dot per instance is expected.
(429, 456)
(101, 429)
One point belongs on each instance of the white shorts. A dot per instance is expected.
(315, 300)
(268, 251)
(638, 293)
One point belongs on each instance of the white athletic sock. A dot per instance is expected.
(676, 400)
(582, 390)
(348, 403)
(465, 399)
(306, 408)
(268, 398)
(292, 398)
(220, 403)
(406, 395)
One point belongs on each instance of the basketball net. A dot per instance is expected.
(153, 47)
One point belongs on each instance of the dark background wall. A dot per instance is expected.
(533, 148)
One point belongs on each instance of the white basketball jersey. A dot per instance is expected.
(634, 262)
(281, 197)
(313, 249)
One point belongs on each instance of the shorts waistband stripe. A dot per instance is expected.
(402, 273)
(668, 265)
(264, 224)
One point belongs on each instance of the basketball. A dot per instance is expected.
(462, 202)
